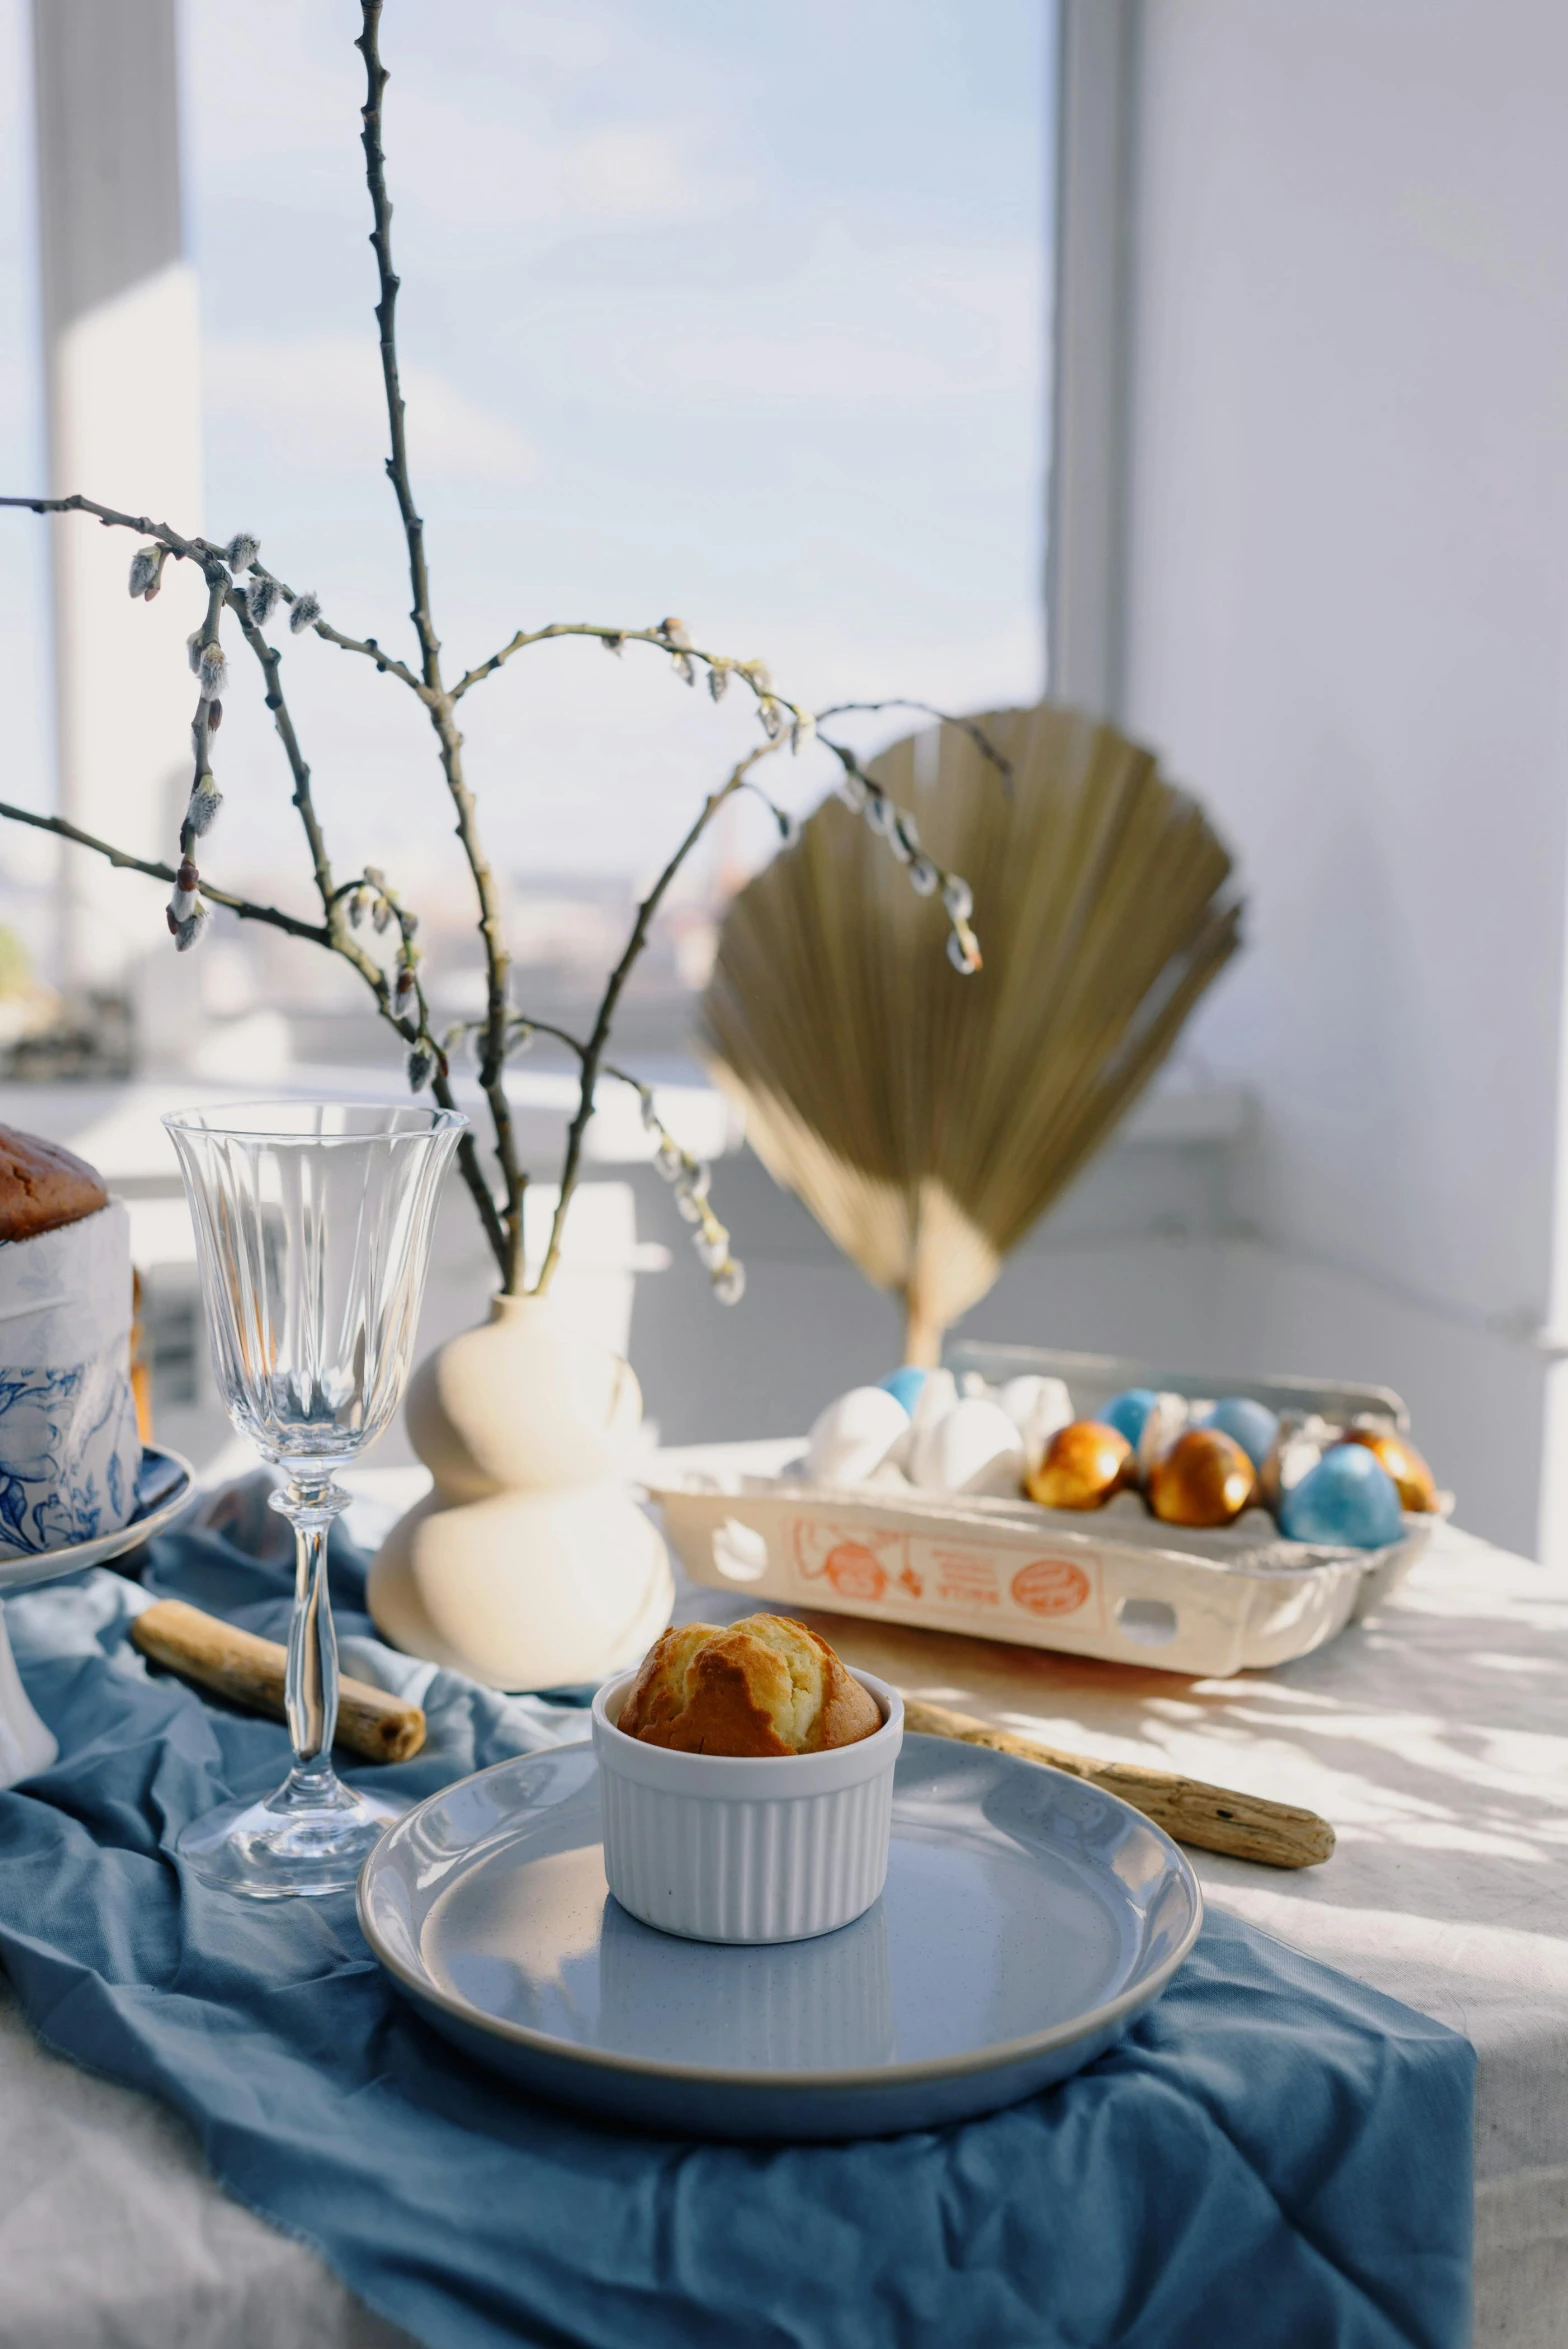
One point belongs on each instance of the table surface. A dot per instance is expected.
(1435, 1737)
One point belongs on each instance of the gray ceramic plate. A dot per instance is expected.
(1027, 1919)
(164, 1485)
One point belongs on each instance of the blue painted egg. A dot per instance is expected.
(1128, 1411)
(1349, 1500)
(905, 1385)
(1252, 1425)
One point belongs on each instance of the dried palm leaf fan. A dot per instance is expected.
(926, 1118)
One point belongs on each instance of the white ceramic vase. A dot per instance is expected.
(529, 1566)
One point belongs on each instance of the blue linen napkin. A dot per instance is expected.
(1275, 2157)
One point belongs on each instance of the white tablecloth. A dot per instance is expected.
(1435, 1738)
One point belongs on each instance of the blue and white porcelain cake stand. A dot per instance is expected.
(164, 1484)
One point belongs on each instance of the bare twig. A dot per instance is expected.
(437, 699)
(976, 733)
(690, 1178)
(593, 1051)
(187, 549)
(270, 660)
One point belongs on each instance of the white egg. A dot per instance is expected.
(934, 1401)
(936, 1398)
(1168, 1416)
(1037, 1407)
(974, 1448)
(854, 1435)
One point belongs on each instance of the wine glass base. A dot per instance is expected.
(292, 1843)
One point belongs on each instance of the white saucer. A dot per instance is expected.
(164, 1484)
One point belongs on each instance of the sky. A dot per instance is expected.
(736, 314)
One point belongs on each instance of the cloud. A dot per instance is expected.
(542, 122)
(314, 405)
(566, 42)
(852, 325)
(494, 172)
(631, 172)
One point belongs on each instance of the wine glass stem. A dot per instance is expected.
(311, 1686)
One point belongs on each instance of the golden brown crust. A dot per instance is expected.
(764, 1686)
(43, 1186)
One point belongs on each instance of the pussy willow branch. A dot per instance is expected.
(202, 552)
(339, 937)
(753, 674)
(438, 701)
(387, 663)
(782, 720)
(976, 732)
(201, 729)
(593, 1051)
(272, 915)
(528, 1026)
(503, 1233)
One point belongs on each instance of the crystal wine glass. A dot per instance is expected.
(312, 1233)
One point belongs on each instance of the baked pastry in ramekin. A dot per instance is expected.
(747, 1782)
(764, 1685)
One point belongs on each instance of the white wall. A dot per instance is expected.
(1347, 620)
(122, 351)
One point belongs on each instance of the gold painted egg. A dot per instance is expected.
(1417, 1485)
(1085, 1462)
(1204, 1479)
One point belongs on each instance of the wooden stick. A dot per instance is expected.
(1246, 1826)
(250, 1672)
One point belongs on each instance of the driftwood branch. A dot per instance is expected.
(1213, 1818)
(251, 1671)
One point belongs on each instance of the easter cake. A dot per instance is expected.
(69, 1446)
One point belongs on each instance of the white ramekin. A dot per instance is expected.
(766, 1848)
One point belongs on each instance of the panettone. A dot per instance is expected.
(69, 1447)
(761, 1686)
(43, 1186)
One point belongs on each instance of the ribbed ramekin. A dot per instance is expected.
(722, 1848)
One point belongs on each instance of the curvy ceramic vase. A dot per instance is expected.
(528, 1566)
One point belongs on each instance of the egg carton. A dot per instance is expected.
(1117, 1584)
